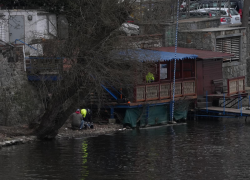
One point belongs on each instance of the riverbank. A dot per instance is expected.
(99, 129)
(21, 134)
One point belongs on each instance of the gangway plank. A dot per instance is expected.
(227, 110)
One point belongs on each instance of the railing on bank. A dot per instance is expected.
(45, 65)
(164, 90)
(236, 85)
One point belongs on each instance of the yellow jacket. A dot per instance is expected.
(84, 112)
(149, 77)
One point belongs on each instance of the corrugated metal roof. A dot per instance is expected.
(152, 55)
(202, 54)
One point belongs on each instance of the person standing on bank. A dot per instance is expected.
(75, 119)
(86, 114)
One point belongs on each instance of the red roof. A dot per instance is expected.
(202, 54)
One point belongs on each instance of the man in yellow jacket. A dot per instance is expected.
(150, 77)
(86, 114)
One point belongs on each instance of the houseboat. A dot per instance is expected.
(194, 77)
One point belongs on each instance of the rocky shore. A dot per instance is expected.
(21, 134)
(99, 129)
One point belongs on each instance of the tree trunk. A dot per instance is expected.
(245, 15)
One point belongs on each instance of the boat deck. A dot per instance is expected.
(227, 96)
(233, 111)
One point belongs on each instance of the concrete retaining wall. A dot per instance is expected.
(19, 102)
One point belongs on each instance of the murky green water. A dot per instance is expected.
(199, 150)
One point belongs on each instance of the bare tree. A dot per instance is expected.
(91, 40)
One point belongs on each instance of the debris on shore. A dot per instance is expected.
(21, 134)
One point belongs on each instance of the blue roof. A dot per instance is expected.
(151, 55)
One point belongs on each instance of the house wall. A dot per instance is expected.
(19, 101)
(214, 66)
(248, 55)
(30, 26)
(42, 25)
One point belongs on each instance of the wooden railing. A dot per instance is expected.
(43, 65)
(236, 85)
(164, 90)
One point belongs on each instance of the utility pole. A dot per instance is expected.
(245, 14)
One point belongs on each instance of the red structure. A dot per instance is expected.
(208, 68)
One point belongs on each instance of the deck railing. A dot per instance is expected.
(236, 85)
(164, 90)
(44, 65)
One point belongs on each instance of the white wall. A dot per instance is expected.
(42, 25)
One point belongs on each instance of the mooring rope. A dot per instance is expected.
(176, 38)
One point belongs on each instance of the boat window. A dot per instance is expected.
(163, 71)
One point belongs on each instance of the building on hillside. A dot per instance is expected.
(35, 31)
(28, 27)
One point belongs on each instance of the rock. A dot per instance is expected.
(13, 141)
(7, 143)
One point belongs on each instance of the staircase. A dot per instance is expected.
(203, 102)
(109, 94)
(235, 102)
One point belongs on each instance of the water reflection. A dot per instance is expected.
(216, 149)
(85, 171)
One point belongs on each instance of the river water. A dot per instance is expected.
(215, 149)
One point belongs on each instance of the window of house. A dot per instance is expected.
(229, 45)
(163, 71)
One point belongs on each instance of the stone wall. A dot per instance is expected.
(142, 41)
(19, 102)
(198, 23)
(187, 24)
(248, 55)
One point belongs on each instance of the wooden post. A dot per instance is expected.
(159, 80)
(182, 64)
(195, 74)
(182, 84)
(170, 70)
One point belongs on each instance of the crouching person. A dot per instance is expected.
(86, 122)
(76, 119)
